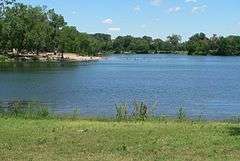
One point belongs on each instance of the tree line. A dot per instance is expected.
(28, 29)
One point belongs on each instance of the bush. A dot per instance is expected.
(26, 110)
(140, 111)
(122, 112)
(181, 115)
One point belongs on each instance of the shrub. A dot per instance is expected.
(140, 111)
(75, 114)
(121, 111)
(181, 115)
(26, 110)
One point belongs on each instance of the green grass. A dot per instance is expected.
(65, 139)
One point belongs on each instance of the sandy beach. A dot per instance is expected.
(58, 57)
(75, 57)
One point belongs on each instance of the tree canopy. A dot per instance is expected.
(29, 29)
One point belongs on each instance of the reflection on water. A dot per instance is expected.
(207, 86)
(39, 66)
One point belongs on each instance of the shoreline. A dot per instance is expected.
(34, 109)
(71, 57)
(49, 57)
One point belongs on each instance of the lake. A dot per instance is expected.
(204, 86)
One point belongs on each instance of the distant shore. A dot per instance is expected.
(67, 57)
(49, 57)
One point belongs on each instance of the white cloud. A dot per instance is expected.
(191, 1)
(198, 9)
(174, 9)
(155, 2)
(114, 29)
(137, 8)
(107, 21)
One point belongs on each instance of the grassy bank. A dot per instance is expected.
(66, 139)
(31, 132)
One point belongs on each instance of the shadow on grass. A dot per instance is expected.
(234, 131)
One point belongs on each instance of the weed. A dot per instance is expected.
(181, 115)
(121, 112)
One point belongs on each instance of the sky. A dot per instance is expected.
(155, 18)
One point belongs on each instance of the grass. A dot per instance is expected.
(39, 136)
(30, 110)
(54, 139)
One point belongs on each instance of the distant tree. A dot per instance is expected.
(229, 46)
(174, 41)
(1, 37)
(16, 25)
(87, 45)
(158, 45)
(37, 39)
(127, 41)
(104, 40)
(122, 43)
(198, 44)
(102, 37)
(37, 36)
(148, 39)
(57, 22)
(67, 39)
(139, 45)
(29, 29)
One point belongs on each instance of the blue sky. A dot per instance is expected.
(156, 18)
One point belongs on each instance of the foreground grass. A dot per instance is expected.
(64, 140)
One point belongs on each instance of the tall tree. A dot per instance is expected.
(174, 41)
(158, 45)
(68, 39)
(198, 44)
(16, 24)
(104, 40)
(57, 22)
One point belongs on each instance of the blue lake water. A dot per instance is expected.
(203, 85)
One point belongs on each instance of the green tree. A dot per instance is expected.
(4, 4)
(158, 45)
(174, 42)
(122, 43)
(15, 23)
(67, 39)
(198, 44)
(104, 40)
(57, 22)
(1, 35)
(29, 29)
(214, 44)
(37, 39)
(229, 46)
(87, 45)
(139, 45)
